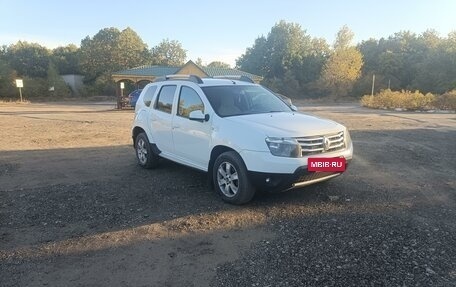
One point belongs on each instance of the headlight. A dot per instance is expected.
(285, 147)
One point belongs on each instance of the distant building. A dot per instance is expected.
(74, 82)
(146, 74)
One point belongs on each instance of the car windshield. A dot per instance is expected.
(235, 100)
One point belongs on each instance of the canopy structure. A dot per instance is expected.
(147, 74)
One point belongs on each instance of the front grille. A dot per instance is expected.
(321, 144)
(308, 176)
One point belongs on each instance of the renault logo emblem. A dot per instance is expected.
(326, 143)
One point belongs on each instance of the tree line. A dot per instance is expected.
(96, 59)
(289, 60)
(293, 62)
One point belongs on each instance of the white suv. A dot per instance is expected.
(246, 137)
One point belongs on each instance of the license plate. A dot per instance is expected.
(326, 164)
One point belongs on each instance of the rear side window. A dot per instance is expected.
(165, 99)
(149, 95)
(189, 101)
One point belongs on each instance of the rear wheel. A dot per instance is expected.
(231, 179)
(146, 158)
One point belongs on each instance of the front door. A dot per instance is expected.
(191, 138)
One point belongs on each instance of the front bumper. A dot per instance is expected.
(264, 161)
(274, 182)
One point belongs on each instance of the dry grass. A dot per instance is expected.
(10, 101)
(408, 100)
(447, 101)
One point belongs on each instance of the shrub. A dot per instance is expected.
(102, 86)
(370, 102)
(60, 88)
(35, 87)
(447, 101)
(408, 100)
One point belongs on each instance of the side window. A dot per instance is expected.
(149, 95)
(165, 99)
(189, 101)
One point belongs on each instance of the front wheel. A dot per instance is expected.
(231, 179)
(144, 154)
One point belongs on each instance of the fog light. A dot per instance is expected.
(268, 180)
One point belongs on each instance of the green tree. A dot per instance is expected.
(344, 38)
(7, 76)
(310, 69)
(133, 51)
(218, 64)
(23, 55)
(168, 53)
(382, 58)
(111, 50)
(343, 67)
(407, 61)
(287, 45)
(57, 87)
(283, 49)
(199, 62)
(370, 49)
(34, 88)
(98, 54)
(66, 59)
(390, 65)
(254, 60)
(437, 71)
(430, 39)
(287, 57)
(28, 59)
(409, 52)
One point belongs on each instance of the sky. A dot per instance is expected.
(216, 30)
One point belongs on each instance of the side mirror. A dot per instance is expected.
(294, 108)
(198, 116)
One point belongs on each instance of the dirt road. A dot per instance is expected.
(76, 210)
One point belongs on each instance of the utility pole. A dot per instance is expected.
(120, 95)
(373, 84)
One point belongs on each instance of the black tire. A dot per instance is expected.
(144, 154)
(231, 180)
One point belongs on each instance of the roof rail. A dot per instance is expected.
(234, 77)
(192, 78)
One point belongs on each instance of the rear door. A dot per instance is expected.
(162, 117)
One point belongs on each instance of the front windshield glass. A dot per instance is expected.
(235, 100)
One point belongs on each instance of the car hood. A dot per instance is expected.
(284, 124)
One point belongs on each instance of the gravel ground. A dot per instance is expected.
(75, 210)
(350, 249)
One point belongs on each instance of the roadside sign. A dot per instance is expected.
(20, 84)
(122, 85)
